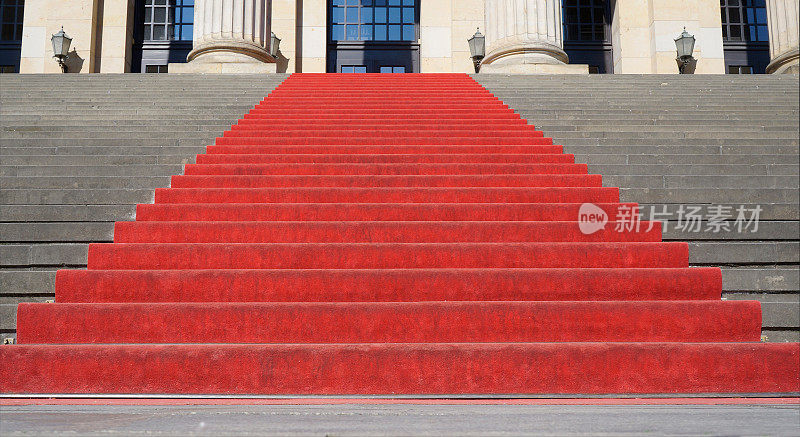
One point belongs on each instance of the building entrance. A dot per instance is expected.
(373, 36)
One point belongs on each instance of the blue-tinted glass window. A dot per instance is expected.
(584, 20)
(11, 12)
(744, 20)
(354, 69)
(168, 20)
(373, 20)
(392, 69)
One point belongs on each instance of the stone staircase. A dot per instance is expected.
(444, 257)
(692, 140)
(78, 152)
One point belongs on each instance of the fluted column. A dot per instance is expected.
(783, 46)
(521, 34)
(231, 31)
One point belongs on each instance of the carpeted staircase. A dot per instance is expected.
(390, 235)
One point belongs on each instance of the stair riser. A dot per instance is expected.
(387, 140)
(374, 212)
(386, 195)
(253, 181)
(384, 169)
(418, 160)
(474, 322)
(387, 232)
(417, 285)
(378, 149)
(529, 368)
(383, 256)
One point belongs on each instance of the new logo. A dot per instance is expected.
(591, 218)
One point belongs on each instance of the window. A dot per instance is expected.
(744, 20)
(389, 69)
(354, 69)
(156, 69)
(11, 12)
(584, 20)
(373, 20)
(740, 69)
(8, 69)
(168, 20)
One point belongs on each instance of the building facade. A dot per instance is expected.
(429, 36)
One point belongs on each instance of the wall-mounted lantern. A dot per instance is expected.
(477, 48)
(274, 45)
(685, 46)
(61, 44)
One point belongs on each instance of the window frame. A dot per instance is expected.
(14, 23)
(342, 19)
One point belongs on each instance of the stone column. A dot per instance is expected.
(230, 36)
(524, 36)
(783, 46)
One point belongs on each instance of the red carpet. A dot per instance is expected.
(389, 235)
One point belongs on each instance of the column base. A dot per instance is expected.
(785, 63)
(224, 63)
(521, 56)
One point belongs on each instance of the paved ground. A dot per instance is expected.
(482, 420)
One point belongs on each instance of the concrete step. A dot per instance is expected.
(708, 195)
(27, 213)
(23, 162)
(84, 182)
(697, 169)
(703, 181)
(748, 253)
(86, 232)
(43, 255)
(90, 170)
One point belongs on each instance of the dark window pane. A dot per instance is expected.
(763, 33)
(352, 32)
(409, 32)
(761, 15)
(338, 15)
(395, 32)
(361, 69)
(399, 70)
(366, 33)
(337, 32)
(159, 32)
(366, 15)
(380, 15)
(386, 69)
(352, 15)
(346, 69)
(394, 15)
(160, 15)
(408, 15)
(187, 33)
(7, 32)
(380, 33)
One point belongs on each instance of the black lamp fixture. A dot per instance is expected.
(61, 44)
(274, 44)
(685, 45)
(477, 48)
